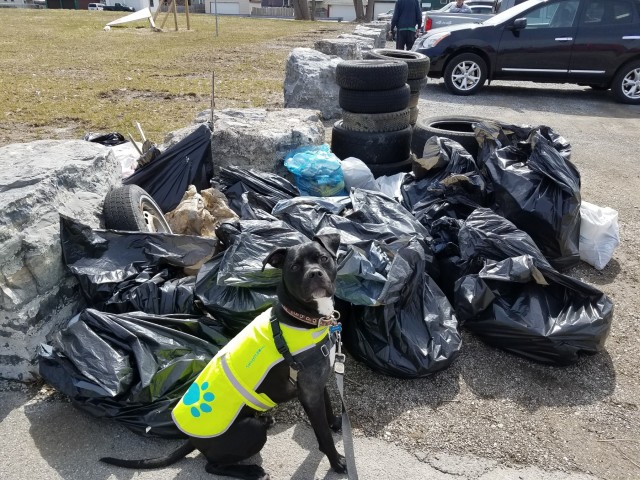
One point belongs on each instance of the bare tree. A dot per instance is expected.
(370, 9)
(359, 10)
(301, 10)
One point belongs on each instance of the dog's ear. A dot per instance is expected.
(275, 258)
(330, 241)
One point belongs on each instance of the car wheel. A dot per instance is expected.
(131, 208)
(465, 74)
(626, 84)
(459, 128)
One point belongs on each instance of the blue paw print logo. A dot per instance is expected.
(193, 396)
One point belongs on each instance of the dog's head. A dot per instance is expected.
(308, 270)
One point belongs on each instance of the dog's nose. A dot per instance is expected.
(316, 272)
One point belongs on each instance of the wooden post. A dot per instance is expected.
(186, 8)
(155, 15)
(167, 15)
(175, 14)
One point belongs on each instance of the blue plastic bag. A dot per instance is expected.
(316, 171)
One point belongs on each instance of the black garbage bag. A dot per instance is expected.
(487, 235)
(235, 307)
(415, 336)
(258, 190)
(241, 264)
(167, 177)
(110, 139)
(132, 367)
(375, 231)
(128, 271)
(533, 184)
(534, 311)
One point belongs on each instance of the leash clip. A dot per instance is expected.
(338, 364)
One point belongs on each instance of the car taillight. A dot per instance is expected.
(429, 24)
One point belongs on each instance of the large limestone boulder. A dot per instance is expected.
(344, 48)
(259, 139)
(310, 82)
(365, 43)
(378, 35)
(38, 181)
(379, 24)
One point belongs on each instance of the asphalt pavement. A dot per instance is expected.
(46, 437)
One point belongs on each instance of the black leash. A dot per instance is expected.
(347, 437)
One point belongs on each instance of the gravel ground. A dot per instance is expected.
(498, 406)
(493, 404)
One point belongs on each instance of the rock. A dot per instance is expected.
(379, 35)
(310, 82)
(340, 47)
(379, 24)
(39, 180)
(259, 139)
(366, 43)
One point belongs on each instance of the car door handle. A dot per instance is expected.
(563, 39)
(631, 37)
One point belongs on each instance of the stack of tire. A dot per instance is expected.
(418, 65)
(375, 125)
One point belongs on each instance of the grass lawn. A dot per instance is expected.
(63, 75)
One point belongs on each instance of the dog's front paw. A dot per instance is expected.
(339, 464)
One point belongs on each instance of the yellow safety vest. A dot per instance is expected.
(229, 381)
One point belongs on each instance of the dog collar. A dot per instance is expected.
(324, 321)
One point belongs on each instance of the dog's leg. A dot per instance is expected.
(335, 421)
(242, 440)
(313, 403)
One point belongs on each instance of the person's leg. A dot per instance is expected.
(400, 39)
(411, 38)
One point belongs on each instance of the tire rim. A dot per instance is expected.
(154, 224)
(466, 75)
(631, 84)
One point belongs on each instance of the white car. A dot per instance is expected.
(95, 6)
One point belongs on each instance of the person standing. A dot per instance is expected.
(460, 7)
(407, 18)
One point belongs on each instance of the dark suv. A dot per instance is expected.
(587, 42)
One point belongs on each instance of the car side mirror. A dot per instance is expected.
(519, 24)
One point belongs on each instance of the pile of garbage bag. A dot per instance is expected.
(457, 243)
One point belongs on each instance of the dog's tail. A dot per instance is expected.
(159, 462)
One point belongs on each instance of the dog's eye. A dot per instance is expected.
(295, 267)
(324, 258)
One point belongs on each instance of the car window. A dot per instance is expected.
(508, 14)
(614, 12)
(554, 15)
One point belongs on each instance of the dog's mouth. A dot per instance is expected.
(321, 293)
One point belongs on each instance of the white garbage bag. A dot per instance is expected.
(599, 234)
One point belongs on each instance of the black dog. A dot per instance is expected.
(305, 302)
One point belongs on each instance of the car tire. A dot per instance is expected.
(465, 74)
(458, 128)
(380, 101)
(626, 84)
(376, 122)
(366, 75)
(392, 168)
(371, 147)
(132, 209)
(416, 85)
(413, 115)
(413, 99)
(418, 63)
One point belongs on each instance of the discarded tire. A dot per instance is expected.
(392, 168)
(376, 122)
(416, 85)
(418, 63)
(369, 75)
(373, 148)
(131, 208)
(413, 116)
(458, 128)
(379, 101)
